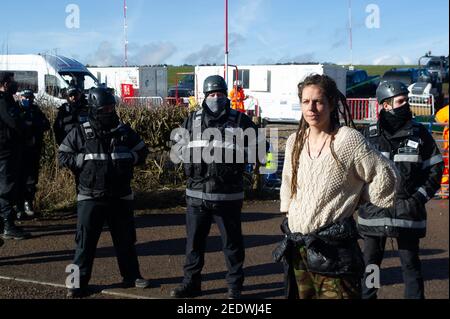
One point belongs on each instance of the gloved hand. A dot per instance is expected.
(281, 250)
(419, 197)
(285, 226)
(283, 247)
(409, 207)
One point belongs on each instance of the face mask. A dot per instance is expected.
(25, 103)
(395, 119)
(108, 121)
(216, 104)
(402, 113)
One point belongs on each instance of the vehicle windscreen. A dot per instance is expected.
(81, 80)
(405, 77)
(187, 81)
(181, 93)
(434, 64)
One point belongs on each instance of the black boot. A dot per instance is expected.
(186, 291)
(1, 242)
(11, 231)
(78, 293)
(234, 293)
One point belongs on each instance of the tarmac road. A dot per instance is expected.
(161, 241)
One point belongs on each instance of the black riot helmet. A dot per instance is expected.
(215, 83)
(99, 99)
(102, 108)
(390, 89)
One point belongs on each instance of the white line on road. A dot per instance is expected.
(119, 294)
(49, 284)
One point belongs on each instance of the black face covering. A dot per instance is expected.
(395, 119)
(221, 108)
(108, 121)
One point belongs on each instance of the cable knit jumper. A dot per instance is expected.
(325, 192)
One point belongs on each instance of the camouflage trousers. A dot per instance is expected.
(316, 286)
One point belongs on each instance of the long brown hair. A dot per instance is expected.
(334, 96)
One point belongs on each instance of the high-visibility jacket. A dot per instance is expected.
(237, 97)
(442, 117)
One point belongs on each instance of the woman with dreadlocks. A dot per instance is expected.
(329, 169)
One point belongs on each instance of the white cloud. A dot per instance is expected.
(248, 13)
(392, 60)
(215, 54)
(208, 54)
(104, 56)
(42, 42)
(408, 52)
(148, 54)
(300, 58)
(153, 53)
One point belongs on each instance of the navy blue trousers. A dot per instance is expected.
(198, 225)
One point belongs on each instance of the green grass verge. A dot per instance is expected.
(172, 73)
(381, 69)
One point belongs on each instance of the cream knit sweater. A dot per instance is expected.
(326, 193)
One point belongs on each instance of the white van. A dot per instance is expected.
(272, 87)
(48, 75)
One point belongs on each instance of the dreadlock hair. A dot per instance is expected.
(338, 101)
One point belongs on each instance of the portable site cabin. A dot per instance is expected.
(48, 75)
(146, 81)
(272, 87)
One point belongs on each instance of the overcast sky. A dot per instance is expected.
(261, 31)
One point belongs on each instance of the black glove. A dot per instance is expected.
(420, 198)
(281, 250)
(283, 247)
(285, 226)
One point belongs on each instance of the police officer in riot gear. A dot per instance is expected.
(36, 125)
(214, 189)
(102, 153)
(11, 147)
(420, 164)
(70, 114)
